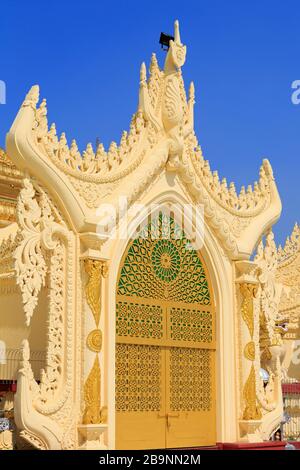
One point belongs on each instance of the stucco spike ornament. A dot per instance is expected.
(269, 295)
(288, 273)
(30, 264)
(32, 97)
(158, 160)
(173, 117)
(96, 270)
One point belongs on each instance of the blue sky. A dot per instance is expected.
(241, 55)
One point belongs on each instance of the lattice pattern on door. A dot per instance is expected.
(191, 324)
(190, 379)
(138, 377)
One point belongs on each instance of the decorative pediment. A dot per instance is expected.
(161, 138)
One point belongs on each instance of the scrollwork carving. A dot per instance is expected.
(30, 264)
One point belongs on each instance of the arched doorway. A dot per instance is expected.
(165, 343)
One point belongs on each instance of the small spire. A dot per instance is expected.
(143, 73)
(177, 32)
(224, 182)
(63, 139)
(192, 92)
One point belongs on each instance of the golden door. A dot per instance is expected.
(165, 351)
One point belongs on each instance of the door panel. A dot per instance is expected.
(140, 396)
(165, 395)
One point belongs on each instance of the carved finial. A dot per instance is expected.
(89, 148)
(88, 153)
(233, 199)
(43, 103)
(100, 149)
(123, 139)
(177, 32)
(292, 245)
(88, 158)
(123, 144)
(199, 156)
(192, 92)
(74, 147)
(63, 139)
(41, 122)
(143, 73)
(32, 97)
(176, 53)
(216, 176)
(242, 198)
(232, 188)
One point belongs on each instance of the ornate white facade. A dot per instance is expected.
(61, 276)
